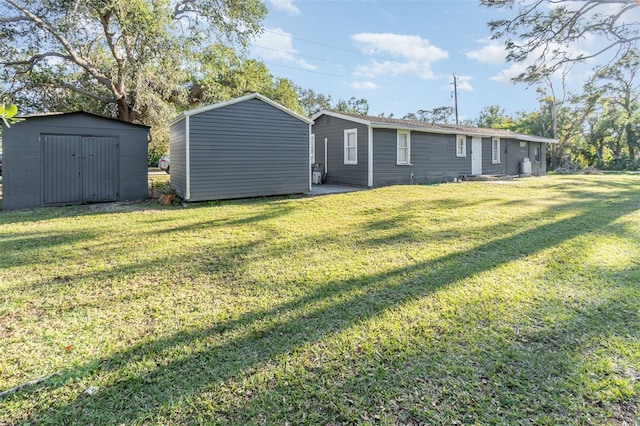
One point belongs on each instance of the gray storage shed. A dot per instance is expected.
(246, 147)
(73, 158)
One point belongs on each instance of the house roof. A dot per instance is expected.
(394, 123)
(68, 114)
(237, 100)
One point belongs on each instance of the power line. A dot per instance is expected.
(303, 56)
(302, 69)
(317, 43)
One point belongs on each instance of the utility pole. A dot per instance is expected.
(455, 95)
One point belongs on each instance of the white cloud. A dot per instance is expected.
(276, 45)
(286, 6)
(464, 83)
(364, 85)
(492, 53)
(415, 55)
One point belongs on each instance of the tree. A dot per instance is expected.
(223, 75)
(622, 86)
(546, 31)
(312, 102)
(128, 56)
(494, 117)
(353, 106)
(441, 114)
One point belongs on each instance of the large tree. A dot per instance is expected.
(549, 31)
(131, 57)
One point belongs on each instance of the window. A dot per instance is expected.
(313, 148)
(351, 146)
(536, 154)
(495, 150)
(461, 146)
(404, 147)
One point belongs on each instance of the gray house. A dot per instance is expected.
(246, 147)
(73, 158)
(374, 151)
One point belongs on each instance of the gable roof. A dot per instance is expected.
(420, 126)
(237, 100)
(80, 113)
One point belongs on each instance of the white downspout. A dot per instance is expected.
(309, 157)
(187, 190)
(370, 155)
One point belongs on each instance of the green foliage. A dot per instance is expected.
(472, 303)
(441, 114)
(131, 59)
(547, 35)
(494, 117)
(353, 106)
(8, 114)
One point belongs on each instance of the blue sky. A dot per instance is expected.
(399, 55)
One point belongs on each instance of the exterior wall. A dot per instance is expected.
(517, 151)
(178, 151)
(333, 129)
(247, 149)
(22, 155)
(488, 168)
(433, 158)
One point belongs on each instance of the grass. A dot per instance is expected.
(464, 303)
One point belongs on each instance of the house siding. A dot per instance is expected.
(517, 151)
(433, 158)
(23, 181)
(332, 129)
(488, 167)
(178, 151)
(247, 149)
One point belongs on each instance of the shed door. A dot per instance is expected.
(62, 169)
(79, 169)
(100, 169)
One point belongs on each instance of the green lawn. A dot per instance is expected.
(486, 303)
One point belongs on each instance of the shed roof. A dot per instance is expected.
(237, 100)
(76, 113)
(394, 123)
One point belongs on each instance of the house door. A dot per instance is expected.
(79, 169)
(476, 156)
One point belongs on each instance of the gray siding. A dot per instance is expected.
(333, 129)
(247, 149)
(433, 158)
(23, 161)
(488, 168)
(178, 151)
(517, 151)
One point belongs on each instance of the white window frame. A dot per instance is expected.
(495, 150)
(408, 148)
(347, 132)
(313, 148)
(539, 151)
(459, 139)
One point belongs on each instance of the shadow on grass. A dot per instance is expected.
(227, 349)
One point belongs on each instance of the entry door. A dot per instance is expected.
(79, 169)
(476, 156)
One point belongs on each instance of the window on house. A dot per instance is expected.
(404, 147)
(461, 146)
(536, 154)
(351, 146)
(495, 150)
(313, 149)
